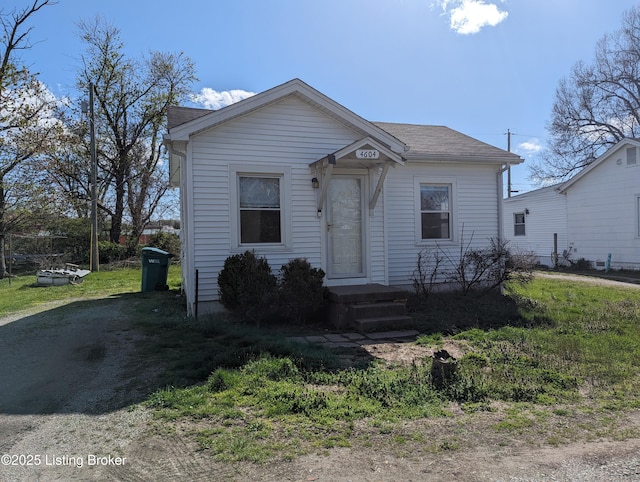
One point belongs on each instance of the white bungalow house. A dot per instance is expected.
(290, 173)
(595, 215)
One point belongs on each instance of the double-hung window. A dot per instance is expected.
(259, 200)
(260, 209)
(435, 211)
(638, 215)
(518, 224)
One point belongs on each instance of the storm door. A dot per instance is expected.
(345, 227)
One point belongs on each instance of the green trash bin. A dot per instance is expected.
(155, 267)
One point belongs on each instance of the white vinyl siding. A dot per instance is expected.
(602, 208)
(547, 216)
(474, 211)
(284, 137)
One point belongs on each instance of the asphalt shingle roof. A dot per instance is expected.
(179, 115)
(442, 143)
(425, 142)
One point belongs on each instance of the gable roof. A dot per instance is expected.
(442, 143)
(211, 119)
(628, 141)
(411, 141)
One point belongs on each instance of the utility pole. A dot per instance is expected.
(509, 191)
(94, 259)
(509, 166)
(95, 256)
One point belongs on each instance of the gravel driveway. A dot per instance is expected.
(71, 380)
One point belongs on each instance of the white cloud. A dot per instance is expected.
(470, 16)
(212, 99)
(530, 147)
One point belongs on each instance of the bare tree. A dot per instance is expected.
(27, 123)
(597, 105)
(132, 99)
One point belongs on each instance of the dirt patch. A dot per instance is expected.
(407, 354)
(72, 379)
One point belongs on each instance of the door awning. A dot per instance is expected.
(364, 153)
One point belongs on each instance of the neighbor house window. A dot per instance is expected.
(518, 224)
(638, 216)
(632, 158)
(260, 209)
(435, 211)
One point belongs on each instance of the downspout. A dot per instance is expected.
(500, 195)
(183, 157)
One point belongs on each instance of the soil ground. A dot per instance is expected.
(72, 379)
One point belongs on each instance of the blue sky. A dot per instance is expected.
(477, 66)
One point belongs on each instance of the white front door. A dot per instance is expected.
(345, 223)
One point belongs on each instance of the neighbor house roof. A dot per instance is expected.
(429, 142)
(179, 115)
(535, 192)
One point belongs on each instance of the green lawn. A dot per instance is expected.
(22, 292)
(556, 360)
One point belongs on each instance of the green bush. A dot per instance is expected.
(247, 287)
(110, 252)
(168, 242)
(301, 290)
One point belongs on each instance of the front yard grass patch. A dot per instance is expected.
(22, 293)
(557, 361)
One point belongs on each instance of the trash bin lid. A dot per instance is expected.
(157, 251)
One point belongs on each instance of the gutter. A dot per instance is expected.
(463, 159)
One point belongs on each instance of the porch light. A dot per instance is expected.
(315, 183)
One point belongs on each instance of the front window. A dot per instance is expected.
(518, 224)
(435, 211)
(260, 212)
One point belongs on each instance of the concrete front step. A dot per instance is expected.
(368, 308)
(366, 293)
(382, 323)
(375, 310)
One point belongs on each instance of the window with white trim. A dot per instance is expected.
(435, 211)
(632, 157)
(259, 206)
(260, 212)
(519, 224)
(638, 216)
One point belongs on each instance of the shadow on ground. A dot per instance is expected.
(98, 356)
(81, 357)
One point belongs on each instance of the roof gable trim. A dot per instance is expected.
(600, 160)
(297, 87)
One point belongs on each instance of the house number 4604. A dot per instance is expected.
(367, 154)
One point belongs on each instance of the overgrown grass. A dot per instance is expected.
(22, 292)
(547, 351)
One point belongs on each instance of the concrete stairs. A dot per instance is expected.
(369, 308)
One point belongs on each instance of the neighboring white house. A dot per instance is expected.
(536, 222)
(596, 213)
(291, 173)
